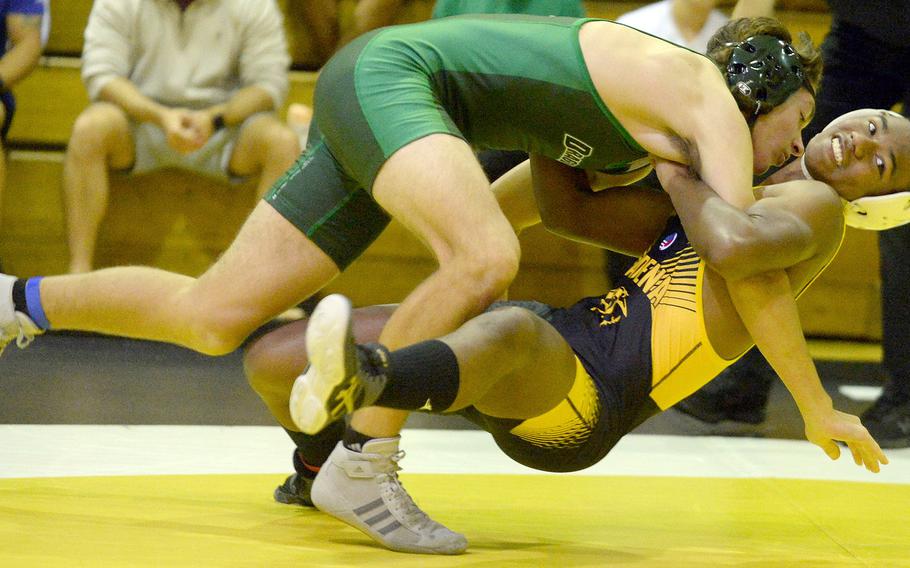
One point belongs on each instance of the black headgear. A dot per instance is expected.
(762, 72)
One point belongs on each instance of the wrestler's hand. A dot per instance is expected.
(835, 426)
(668, 171)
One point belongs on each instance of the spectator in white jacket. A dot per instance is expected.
(690, 23)
(192, 84)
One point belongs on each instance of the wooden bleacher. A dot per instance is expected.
(174, 221)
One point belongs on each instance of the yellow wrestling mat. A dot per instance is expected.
(510, 520)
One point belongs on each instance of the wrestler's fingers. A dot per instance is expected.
(858, 457)
(830, 448)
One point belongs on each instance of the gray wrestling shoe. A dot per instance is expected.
(342, 376)
(14, 325)
(362, 489)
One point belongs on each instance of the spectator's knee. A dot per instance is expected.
(282, 144)
(91, 130)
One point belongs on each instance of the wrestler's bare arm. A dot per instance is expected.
(804, 223)
(515, 194)
(625, 219)
(676, 105)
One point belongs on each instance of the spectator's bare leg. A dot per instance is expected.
(101, 140)
(267, 147)
(298, 118)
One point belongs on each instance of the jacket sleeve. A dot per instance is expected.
(264, 59)
(108, 50)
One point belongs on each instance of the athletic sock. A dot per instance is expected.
(302, 468)
(27, 299)
(422, 375)
(20, 303)
(354, 440)
(313, 450)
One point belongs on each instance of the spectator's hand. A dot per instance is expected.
(201, 123)
(178, 127)
(834, 426)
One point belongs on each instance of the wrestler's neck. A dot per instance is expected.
(795, 170)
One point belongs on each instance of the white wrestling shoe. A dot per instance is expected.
(363, 490)
(341, 376)
(13, 324)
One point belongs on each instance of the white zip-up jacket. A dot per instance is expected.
(191, 59)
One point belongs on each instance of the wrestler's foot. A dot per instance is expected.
(342, 376)
(14, 325)
(888, 420)
(362, 489)
(295, 490)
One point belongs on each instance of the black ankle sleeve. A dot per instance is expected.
(421, 373)
(19, 302)
(315, 449)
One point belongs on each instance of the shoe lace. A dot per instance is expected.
(24, 338)
(23, 335)
(400, 500)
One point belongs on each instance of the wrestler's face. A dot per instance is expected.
(864, 152)
(776, 135)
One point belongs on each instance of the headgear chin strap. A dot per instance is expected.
(875, 213)
(802, 164)
(762, 72)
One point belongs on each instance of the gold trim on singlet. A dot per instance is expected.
(682, 357)
(571, 422)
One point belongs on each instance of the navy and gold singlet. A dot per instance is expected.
(640, 348)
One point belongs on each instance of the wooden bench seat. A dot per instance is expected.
(52, 96)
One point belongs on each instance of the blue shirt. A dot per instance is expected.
(7, 7)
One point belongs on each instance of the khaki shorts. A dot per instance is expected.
(212, 160)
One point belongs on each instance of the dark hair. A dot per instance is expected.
(721, 44)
